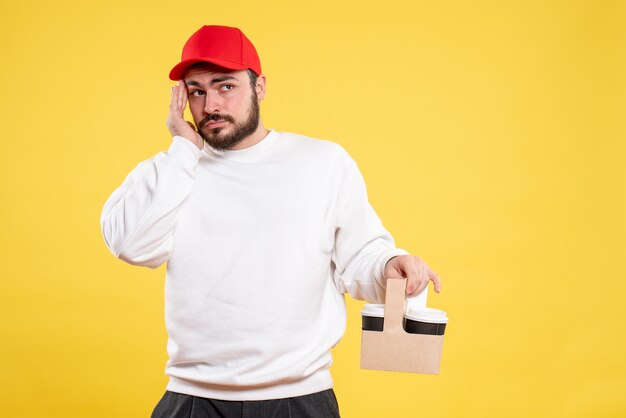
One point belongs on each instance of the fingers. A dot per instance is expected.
(181, 96)
(416, 271)
(178, 100)
(421, 281)
(423, 276)
(172, 99)
(436, 281)
(413, 269)
(412, 274)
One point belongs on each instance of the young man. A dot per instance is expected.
(263, 232)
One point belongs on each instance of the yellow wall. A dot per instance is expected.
(492, 139)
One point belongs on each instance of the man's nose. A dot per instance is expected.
(212, 102)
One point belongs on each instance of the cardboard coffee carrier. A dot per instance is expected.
(394, 349)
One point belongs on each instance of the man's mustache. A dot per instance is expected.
(216, 117)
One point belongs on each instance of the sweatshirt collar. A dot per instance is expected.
(249, 154)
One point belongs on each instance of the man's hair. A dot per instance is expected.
(251, 73)
(253, 78)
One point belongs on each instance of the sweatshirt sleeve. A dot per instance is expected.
(139, 217)
(362, 244)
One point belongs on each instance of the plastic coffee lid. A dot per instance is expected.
(374, 309)
(433, 316)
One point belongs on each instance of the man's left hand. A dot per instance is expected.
(415, 270)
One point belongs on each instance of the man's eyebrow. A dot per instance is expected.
(222, 78)
(214, 81)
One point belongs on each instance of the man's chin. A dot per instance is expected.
(221, 142)
(214, 136)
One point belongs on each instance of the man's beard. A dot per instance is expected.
(240, 130)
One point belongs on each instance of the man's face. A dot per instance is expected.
(224, 105)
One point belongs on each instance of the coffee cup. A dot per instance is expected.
(427, 321)
(373, 317)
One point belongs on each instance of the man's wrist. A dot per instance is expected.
(185, 147)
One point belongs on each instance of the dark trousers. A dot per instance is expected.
(316, 405)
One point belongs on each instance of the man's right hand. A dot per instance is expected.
(176, 122)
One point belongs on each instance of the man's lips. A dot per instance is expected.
(215, 123)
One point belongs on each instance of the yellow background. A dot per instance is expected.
(491, 135)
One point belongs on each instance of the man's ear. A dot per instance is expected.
(260, 87)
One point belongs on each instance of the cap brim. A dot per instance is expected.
(179, 70)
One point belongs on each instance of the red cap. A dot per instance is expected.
(220, 45)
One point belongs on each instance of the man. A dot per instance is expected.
(262, 231)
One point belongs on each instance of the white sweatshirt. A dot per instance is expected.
(260, 244)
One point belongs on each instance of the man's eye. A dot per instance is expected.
(196, 93)
(227, 87)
